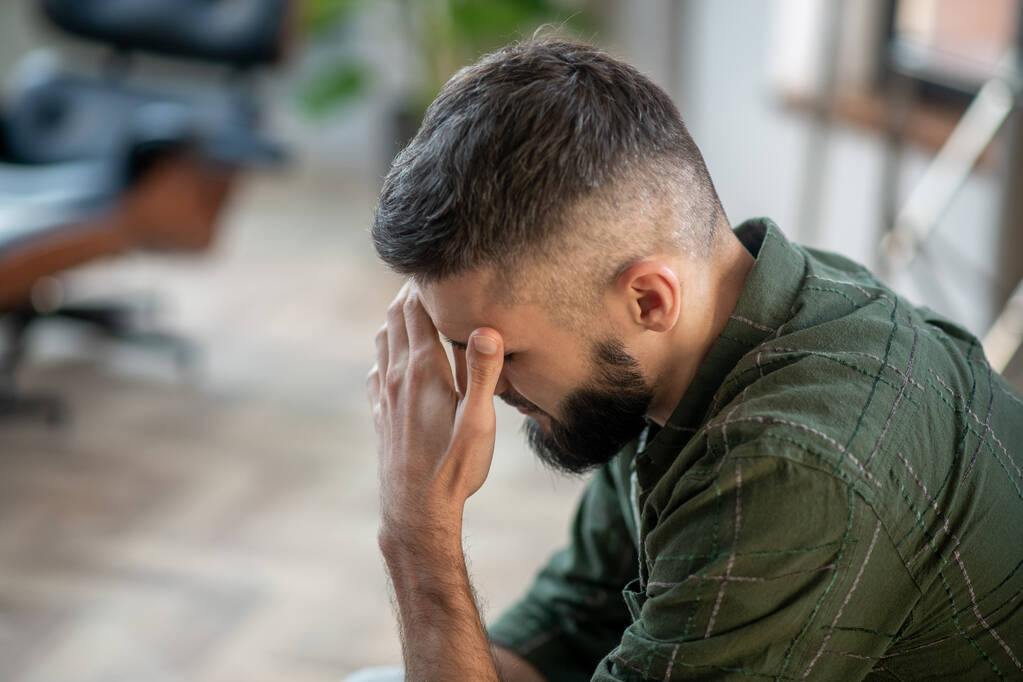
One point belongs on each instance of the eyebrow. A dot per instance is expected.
(460, 345)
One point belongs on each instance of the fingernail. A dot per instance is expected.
(484, 344)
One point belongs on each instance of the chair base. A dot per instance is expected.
(113, 320)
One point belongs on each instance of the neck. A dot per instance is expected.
(709, 300)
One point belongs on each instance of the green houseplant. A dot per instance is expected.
(442, 34)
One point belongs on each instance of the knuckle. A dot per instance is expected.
(414, 372)
(396, 307)
(409, 304)
(479, 380)
(420, 369)
(482, 373)
(419, 357)
(393, 381)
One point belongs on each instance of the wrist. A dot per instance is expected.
(426, 565)
(419, 533)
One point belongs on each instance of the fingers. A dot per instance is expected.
(397, 335)
(381, 344)
(373, 384)
(425, 348)
(382, 341)
(373, 392)
(472, 443)
(485, 358)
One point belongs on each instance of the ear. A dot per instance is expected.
(652, 293)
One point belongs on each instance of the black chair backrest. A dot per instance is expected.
(237, 32)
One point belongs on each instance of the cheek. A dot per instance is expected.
(546, 386)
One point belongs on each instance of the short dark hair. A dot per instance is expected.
(514, 142)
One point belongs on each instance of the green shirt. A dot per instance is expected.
(839, 495)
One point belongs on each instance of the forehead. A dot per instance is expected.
(462, 303)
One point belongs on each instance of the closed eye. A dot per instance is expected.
(458, 345)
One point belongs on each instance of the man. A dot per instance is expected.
(797, 473)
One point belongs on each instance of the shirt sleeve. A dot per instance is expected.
(574, 614)
(768, 567)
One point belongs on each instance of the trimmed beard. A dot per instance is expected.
(600, 418)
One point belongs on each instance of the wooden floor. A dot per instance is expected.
(220, 525)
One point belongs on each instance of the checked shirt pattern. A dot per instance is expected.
(839, 495)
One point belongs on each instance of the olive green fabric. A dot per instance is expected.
(839, 495)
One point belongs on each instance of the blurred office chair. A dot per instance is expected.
(92, 166)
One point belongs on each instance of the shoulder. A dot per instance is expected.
(855, 374)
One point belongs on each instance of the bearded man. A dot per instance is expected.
(796, 473)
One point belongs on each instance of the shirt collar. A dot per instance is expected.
(766, 303)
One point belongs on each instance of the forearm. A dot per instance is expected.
(436, 445)
(443, 637)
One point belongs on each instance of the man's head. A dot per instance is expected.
(554, 194)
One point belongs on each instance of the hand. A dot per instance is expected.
(435, 442)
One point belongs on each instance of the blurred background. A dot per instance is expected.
(189, 296)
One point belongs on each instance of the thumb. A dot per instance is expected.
(485, 359)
